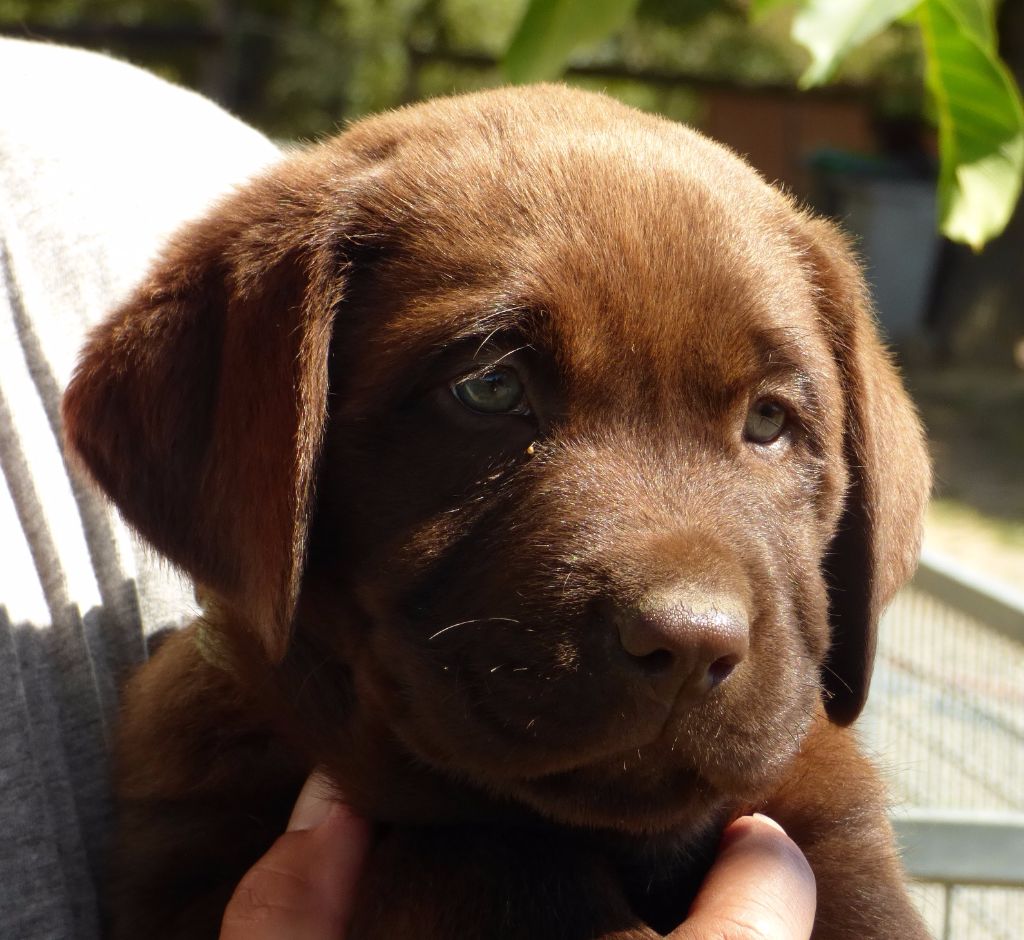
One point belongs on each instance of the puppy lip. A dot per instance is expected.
(544, 756)
(647, 719)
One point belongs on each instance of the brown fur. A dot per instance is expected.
(424, 601)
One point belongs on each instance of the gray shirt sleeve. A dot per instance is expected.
(99, 162)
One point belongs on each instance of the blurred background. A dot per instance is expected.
(947, 712)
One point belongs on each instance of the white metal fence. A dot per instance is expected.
(946, 723)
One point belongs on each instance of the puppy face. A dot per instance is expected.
(598, 399)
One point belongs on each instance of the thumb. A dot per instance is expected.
(759, 888)
(304, 887)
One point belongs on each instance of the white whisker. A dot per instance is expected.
(465, 623)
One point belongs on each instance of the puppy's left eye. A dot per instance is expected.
(498, 391)
(766, 420)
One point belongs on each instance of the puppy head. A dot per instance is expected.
(613, 478)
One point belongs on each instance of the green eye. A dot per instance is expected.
(497, 392)
(766, 420)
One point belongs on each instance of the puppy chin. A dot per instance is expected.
(638, 788)
(623, 795)
(579, 789)
(676, 783)
(599, 798)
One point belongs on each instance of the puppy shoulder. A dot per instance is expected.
(188, 730)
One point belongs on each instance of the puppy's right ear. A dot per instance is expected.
(199, 405)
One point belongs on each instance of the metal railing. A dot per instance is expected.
(946, 724)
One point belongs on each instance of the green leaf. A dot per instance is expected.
(976, 17)
(981, 125)
(552, 29)
(761, 8)
(829, 29)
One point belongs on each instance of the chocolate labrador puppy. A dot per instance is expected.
(544, 479)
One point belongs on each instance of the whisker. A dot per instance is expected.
(486, 340)
(836, 675)
(511, 352)
(465, 623)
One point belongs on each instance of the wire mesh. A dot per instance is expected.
(946, 724)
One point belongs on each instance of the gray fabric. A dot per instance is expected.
(99, 162)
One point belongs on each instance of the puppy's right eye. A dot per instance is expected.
(498, 391)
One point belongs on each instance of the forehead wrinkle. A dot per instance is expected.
(782, 348)
(632, 243)
(611, 333)
(420, 331)
(611, 301)
(485, 324)
(707, 370)
(430, 321)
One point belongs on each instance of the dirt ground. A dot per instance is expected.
(975, 422)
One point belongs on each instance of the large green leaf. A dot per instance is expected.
(829, 29)
(981, 124)
(977, 17)
(551, 29)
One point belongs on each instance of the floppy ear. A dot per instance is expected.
(199, 405)
(876, 545)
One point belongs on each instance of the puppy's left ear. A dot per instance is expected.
(199, 405)
(876, 546)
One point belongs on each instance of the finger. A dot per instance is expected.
(313, 804)
(304, 887)
(759, 888)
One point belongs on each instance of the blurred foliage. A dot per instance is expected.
(976, 102)
(551, 29)
(120, 11)
(298, 68)
(980, 117)
(974, 98)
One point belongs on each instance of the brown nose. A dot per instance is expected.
(683, 642)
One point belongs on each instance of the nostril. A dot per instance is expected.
(655, 663)
(721, 669)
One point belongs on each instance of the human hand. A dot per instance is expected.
(304, 886)
(760, 887)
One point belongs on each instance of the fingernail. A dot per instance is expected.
(771, 822)
(313, 805)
